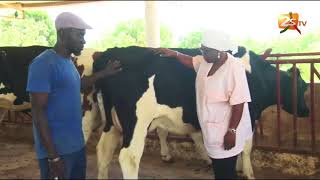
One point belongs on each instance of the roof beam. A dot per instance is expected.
(35, 4)
(17, 6)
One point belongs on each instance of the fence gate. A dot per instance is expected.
(281, 131)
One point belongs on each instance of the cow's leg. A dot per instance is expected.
(164, 149)
(239, 164)
(3, 113)
(247, 166)
(198, 140)
(102, 113)
(130, 156)
(90, 121)
(105, 149)
(95, 118)
(161, 125)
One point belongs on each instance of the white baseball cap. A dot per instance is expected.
(218, 40)
(70, 20)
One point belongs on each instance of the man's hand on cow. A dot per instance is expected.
(165, 52)
(229, 140)
(56, 169)
(111, 68)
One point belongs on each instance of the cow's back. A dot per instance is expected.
(173, 84)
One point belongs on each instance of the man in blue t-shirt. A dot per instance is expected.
(54, 85)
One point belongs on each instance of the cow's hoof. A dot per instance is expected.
(208, 162)
(167, 159)
(241, 175)
(240, 172)
(250, 177)
(208, 168)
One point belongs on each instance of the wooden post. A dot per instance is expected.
(152, 24)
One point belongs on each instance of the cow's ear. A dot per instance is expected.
(96, 55)
(230, 52)
(298, 72)
(266, 53)
(3, 54)
(291, 70)
(241, 52)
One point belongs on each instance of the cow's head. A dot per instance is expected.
(262, 84)
(302, 108)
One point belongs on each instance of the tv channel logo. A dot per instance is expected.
(290, 21)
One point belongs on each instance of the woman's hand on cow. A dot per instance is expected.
(111, 68)
(229, 140)
(165, 52)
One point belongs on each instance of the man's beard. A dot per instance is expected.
(75, 51)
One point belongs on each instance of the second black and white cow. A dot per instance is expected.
(155, 93)
(13, 74)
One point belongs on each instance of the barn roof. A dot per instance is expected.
(33, 4)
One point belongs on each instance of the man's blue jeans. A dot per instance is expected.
(75, 165)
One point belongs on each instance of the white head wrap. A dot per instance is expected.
(218, 40)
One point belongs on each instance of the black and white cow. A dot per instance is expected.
(155, 93)
(13, 70)
(14, 63)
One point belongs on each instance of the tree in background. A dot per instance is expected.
(35, 29)
(191, 40)
(309, 42)
(130, 33)
(166, 36)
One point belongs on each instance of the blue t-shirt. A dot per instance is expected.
(53, 74)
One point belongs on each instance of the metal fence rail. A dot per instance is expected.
(16, 117)
(260, 142)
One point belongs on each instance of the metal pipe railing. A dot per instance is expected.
(312, 106)
(278, 105)
(294, 103)
(295, 54)
(313, 72)
(292, 61)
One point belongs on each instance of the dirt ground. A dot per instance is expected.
(17, 161)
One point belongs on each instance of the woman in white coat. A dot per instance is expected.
(222, 94)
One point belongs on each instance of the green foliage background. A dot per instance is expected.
(35, 28)
(130, 33)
